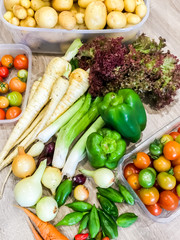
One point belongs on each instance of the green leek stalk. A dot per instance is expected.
(78, 152)
(48, 132)
(70, 131)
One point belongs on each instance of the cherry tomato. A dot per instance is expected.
(155, 209)
(15, 99)
(166, 181)
(178, 190)
(7, 61)
(17, 85)
(1, 79)
(13, 112)
(21, 62)
(168, 200)
(166, 138)
(162, 164)
(178, 138)
(176, 170)
(133, 181)
(4, 87)
(0, 64)
(106, 238)
(149, 196)
(130, 169)
(171, 150)
(4, 72)
(2, 114)
(142, 160)
(4, 102)
(147, 178)
(174, 134)
(179, 129)
(176, 162)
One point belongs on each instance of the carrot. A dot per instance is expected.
(36, 234)
(47, 230)
(55, 69)
(78, 85)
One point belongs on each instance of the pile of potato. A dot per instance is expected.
(77, 14)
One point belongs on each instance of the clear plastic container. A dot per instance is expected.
(42, 40)
(14, 50)
(165, 216)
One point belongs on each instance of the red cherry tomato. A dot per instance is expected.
(0, 64)
(2, 114)
(155, 209)
(179, 130)
(21, 62)
(1, 79)
(168, 200)
(130, 169)
(4, 72)
(174, 134)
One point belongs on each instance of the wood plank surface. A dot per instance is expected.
(164, 20)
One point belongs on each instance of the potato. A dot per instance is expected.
(37, 4)
(8, 15)
(9, 4)
(15, 21)
(85, 3)
(79, 18)
(67, 20)
(129, 5)
(19, 12)
(141, 10)
(95, 15)
(114, 5)
(30, 12)
(133, 19)
(116, 19)
(138, 2)
(28, 22)
(46, 17)
(62, 5)
(25, 3)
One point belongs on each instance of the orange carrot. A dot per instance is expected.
(36, 234)
(47, 230)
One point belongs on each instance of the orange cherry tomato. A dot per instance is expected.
(171, 150)
(168, 200)
(176, 171)
(149, 196)
(2, 114)
(174, 134)
(21, 62)
(134, 181)
(13, 112)
(4, 102)
(130, 169)
(17, 85)
(7, 61)
(155, 209)
(142, 160)
(176, 162)
(4, 87)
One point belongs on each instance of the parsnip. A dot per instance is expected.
(78, 85)
(56, 68)
(34, 88)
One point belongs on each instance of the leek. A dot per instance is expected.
(48, 132)
(78, 153)
(68, 133)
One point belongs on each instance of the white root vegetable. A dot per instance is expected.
(34, 88)
(78, 85)
(56, 68)
(36, 149)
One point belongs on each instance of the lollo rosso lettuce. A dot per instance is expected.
(143, 66)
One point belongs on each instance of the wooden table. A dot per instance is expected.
(164, 20)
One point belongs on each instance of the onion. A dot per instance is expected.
(51, 178)
(28, 191)
(36, 149)
(103, 177)
(81, 193)
(23, 164)
(47, 209)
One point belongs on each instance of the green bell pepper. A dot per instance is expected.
(105, 148)
(124, 112)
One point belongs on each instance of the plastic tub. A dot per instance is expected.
(14, 50)
(42, 40)
(165, 216)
